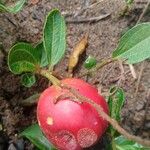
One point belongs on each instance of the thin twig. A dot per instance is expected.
(79, 12)
(32, 100)
(105, 116)
(122, 76)
(143, 12)
(88, 7)
(67, 14)
(121, 66)
(10, 21)
(85, 20)
(139, 78)
(133, 71)
(98, 66)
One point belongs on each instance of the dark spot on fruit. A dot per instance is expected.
(64, 139)
(86, 137)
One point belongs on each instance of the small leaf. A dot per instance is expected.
(28, 79)
(54, 37)
(13, 9)
(90, 62)
(23, 58)
(115, 102)
(35, 135)
(40, 49)
(129, 2)
(122, 143)
(77, 51)
(134, 45)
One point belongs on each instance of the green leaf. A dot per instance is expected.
(115, 102)
(90, 62)
(54, 37)
(35, 135)
(40, 49)
(23, 58)
(134, 45)
(28, 79)
(13, 9)
(122, 143)
(129, 2)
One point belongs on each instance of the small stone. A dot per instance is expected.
(20, 144)
(35, 31)
(12, 147)
(147, 125)
(139, 106)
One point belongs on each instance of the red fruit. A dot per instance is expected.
(67, 124)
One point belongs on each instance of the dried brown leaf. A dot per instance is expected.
(78, 50)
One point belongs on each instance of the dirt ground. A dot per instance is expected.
(103, 38)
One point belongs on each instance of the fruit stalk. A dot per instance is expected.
(98, 66)
(49, 76)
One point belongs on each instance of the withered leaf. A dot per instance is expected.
(78, 50)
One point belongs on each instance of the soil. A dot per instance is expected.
(103, 39)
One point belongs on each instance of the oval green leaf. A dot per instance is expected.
(23, 58)
(13, 9)
(90, 62)
(134, 45)
(28, 79)
(54, 37)
(35, 135)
